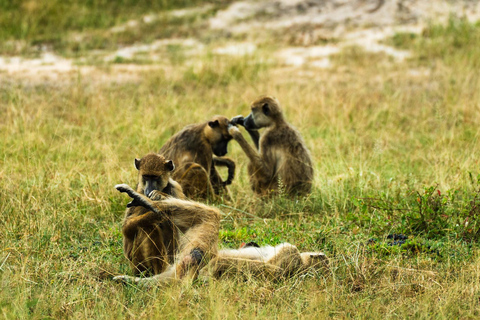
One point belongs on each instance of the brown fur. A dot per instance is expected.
(148, 242)
(282, 161)
(192, 243)
(192, 151)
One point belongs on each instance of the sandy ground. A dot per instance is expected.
(363, 23)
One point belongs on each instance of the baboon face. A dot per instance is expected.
(154, 171)
(265, 111)
(217, 135)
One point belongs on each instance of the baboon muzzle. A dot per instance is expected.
(149, 187)
(249, 123)
(220, 149)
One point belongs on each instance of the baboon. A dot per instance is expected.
(192, 150)
(189, 242)
(154, 173)
(149, 243)
(266, 262)
(281, 161)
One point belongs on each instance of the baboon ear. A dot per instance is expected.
(213, 124)
(169, 165)
(266, 109)
(137, 164)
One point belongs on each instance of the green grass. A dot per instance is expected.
(73, 27)
(383, 142)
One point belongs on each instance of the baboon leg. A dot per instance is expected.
(199, 225)
(194, 180)
(288, 258)
(164, 278)
(147, 253)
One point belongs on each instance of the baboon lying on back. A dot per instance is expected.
(160, 237)
(266, 262)
(281, 160)
(192, 150)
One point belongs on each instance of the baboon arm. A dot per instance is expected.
(254, 134)
(138, 199)
(226, 162)
(252, 154)
(183, 213)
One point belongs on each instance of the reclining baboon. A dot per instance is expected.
(189, 242)
(267, 262)
(192, 151)
(151, 240)
(195, 233)
(281, 161)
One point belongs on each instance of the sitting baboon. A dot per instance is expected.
(281, 161)
(150, 241)
(184, 235)
(192, 150)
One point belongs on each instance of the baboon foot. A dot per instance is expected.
(124, 279)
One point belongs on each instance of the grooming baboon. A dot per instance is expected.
(281, 161)
(184, 235)
(192, 150)
(267, 262)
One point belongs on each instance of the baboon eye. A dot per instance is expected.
(266, 109)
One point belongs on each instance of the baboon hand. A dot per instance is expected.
(125, 188)
(233, 131)
(156, 195)
(238, 120)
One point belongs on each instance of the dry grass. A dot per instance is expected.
(375, 129)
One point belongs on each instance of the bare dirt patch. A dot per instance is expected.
(363, 23)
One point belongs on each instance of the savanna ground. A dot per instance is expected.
(395, 145)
